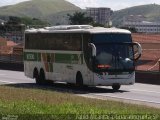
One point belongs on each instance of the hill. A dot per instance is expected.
(41, 9)
(151, 12)
(55, 11)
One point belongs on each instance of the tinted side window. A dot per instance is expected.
(73, 42)
(56, 41)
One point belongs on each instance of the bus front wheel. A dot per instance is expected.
(79, 79)
(116, 87)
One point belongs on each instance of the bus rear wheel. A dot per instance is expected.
(36, 76)
(43, 80)
(116, 87)
(42, 77)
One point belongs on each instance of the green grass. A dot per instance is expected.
(48, 104)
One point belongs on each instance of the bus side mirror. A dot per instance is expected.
(94, 50)
(137, 50)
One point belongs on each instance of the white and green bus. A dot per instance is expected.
(82, 55)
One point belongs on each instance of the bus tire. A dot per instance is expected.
(42, 77)
(79, 79)
(116, 87)
(36, 76)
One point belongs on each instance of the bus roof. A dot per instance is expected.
(77, 29)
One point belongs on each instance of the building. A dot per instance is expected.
(14, 33)
(138, 22)
(2, 22)
(100, 15)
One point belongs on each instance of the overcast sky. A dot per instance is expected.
(10, 2)
(113, 4)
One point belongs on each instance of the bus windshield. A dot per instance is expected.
(114, 52)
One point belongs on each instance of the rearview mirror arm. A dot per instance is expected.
(94, 50)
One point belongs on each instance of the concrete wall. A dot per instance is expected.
(148, 77)
(11, 66)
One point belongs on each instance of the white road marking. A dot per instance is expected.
(145, 91)
(125, 98)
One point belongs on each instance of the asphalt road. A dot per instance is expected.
(13, 77)
(144, 94)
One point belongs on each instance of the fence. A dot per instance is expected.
(11, 58)
(11, 62)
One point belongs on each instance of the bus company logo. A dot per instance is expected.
(30, 56)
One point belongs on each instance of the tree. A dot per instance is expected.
(14, 20)
(79, 18)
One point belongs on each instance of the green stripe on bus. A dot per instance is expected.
(54, 57)
(38, 56)
(68, 58)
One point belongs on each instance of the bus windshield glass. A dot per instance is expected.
(114, 52)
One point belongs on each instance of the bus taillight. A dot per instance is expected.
(103, 66)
